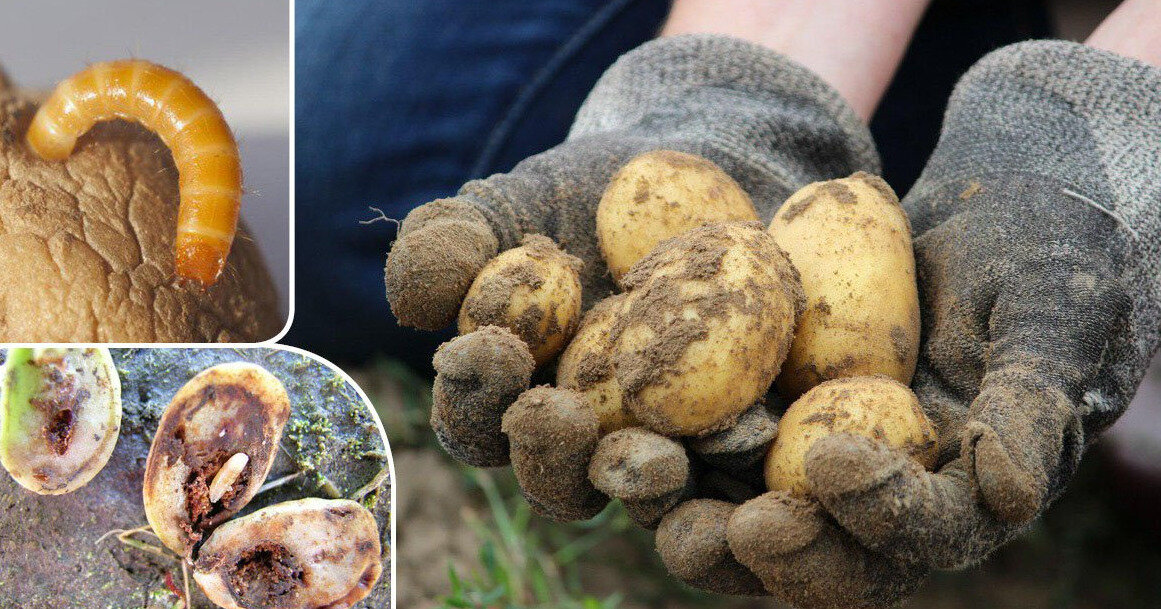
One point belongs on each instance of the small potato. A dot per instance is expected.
(586, 366)
(877, 407)
(662, 194)
(533, 290)
(707, 323)
(851, 243)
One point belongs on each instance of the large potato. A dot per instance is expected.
(851, 243)
(877, 407)
(586, 366)
(706, 324)
(86, 247)
(533, 290)
(661, 194)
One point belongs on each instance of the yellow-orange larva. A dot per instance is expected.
(191, 126)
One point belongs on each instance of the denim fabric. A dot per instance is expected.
(399, 102)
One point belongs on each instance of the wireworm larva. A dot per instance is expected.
(190, 125)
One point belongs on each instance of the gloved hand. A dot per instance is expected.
(769, 123)
(1038, 224)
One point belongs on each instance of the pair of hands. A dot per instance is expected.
(1036, 229)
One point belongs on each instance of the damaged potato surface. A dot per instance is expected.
(877, 407)
(305, 554)
(586, 366)
(60, 416)
(851, 243)
(224, 411)
(705, 327)
(659, 195)
(86, 246)
(533, 290)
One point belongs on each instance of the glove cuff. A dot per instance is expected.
(766, 114)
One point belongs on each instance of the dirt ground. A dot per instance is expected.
(1099, 546)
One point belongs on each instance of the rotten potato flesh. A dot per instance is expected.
(60, 416)
(214, 446)
(304, 554)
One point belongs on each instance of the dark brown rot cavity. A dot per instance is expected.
(267, 575)
(213, 448)
(62, 399)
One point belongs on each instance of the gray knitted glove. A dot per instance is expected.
(769, 123)
(1039, 248)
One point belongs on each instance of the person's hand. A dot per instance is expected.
(769, 123)
(1038, 244)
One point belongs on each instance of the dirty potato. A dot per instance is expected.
(851, 243)
(60, 416)
(705, 327)
(876, 407)
(586, 366)
(214, 446)
(533, 290)
(662, 194)
(294, 555)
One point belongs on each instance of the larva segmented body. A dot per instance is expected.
(190, 125)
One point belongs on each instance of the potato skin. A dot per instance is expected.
(586, 366)
(662, 194)
(851, 243)
(705, 327)
(877, 407)
(533, 290)
(86, 248)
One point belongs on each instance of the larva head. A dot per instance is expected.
(200, 259)
(298, 554)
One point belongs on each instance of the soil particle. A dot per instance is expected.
(901, 345)
(796, 207)
(879, 184)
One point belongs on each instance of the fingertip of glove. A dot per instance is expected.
(845, 464)
(431, 266)
(773, 524)
(1008, 491)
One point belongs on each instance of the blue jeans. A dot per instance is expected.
(399, 102)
